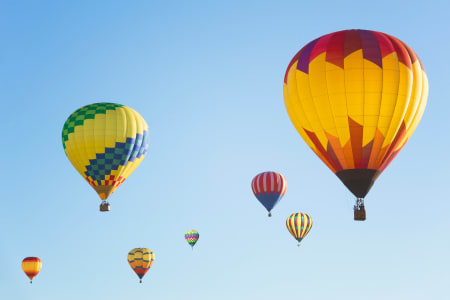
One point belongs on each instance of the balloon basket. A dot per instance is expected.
(105, 206)
(360, 214)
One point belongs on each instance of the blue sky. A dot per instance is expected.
(207, 76)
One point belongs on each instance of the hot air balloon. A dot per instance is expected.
(269, 188)
(355, 97)
(31, 266)
(299, 225)
(191, 237)
(105, 142)
(140, 260)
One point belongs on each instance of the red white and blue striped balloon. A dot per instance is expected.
(269, 188)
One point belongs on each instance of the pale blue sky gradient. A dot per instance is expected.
(207, 76)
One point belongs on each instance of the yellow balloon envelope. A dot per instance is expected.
(140, 260)
(105, 142)
(31, 267)
(355, 97)
(299, 225)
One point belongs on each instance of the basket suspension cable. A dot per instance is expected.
(359, 204)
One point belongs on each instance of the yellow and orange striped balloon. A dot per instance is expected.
(355, 97)
(31, 266)
(140, 260)
(299, 225)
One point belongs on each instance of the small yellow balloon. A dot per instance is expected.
(140, 260)
(31, 266)
(299, 225)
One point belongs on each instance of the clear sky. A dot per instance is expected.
(207, 76)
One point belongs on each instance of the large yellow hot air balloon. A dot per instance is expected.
(355, 97)
(105, 142)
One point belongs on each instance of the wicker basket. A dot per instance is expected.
(360, 215)
(105, 206)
